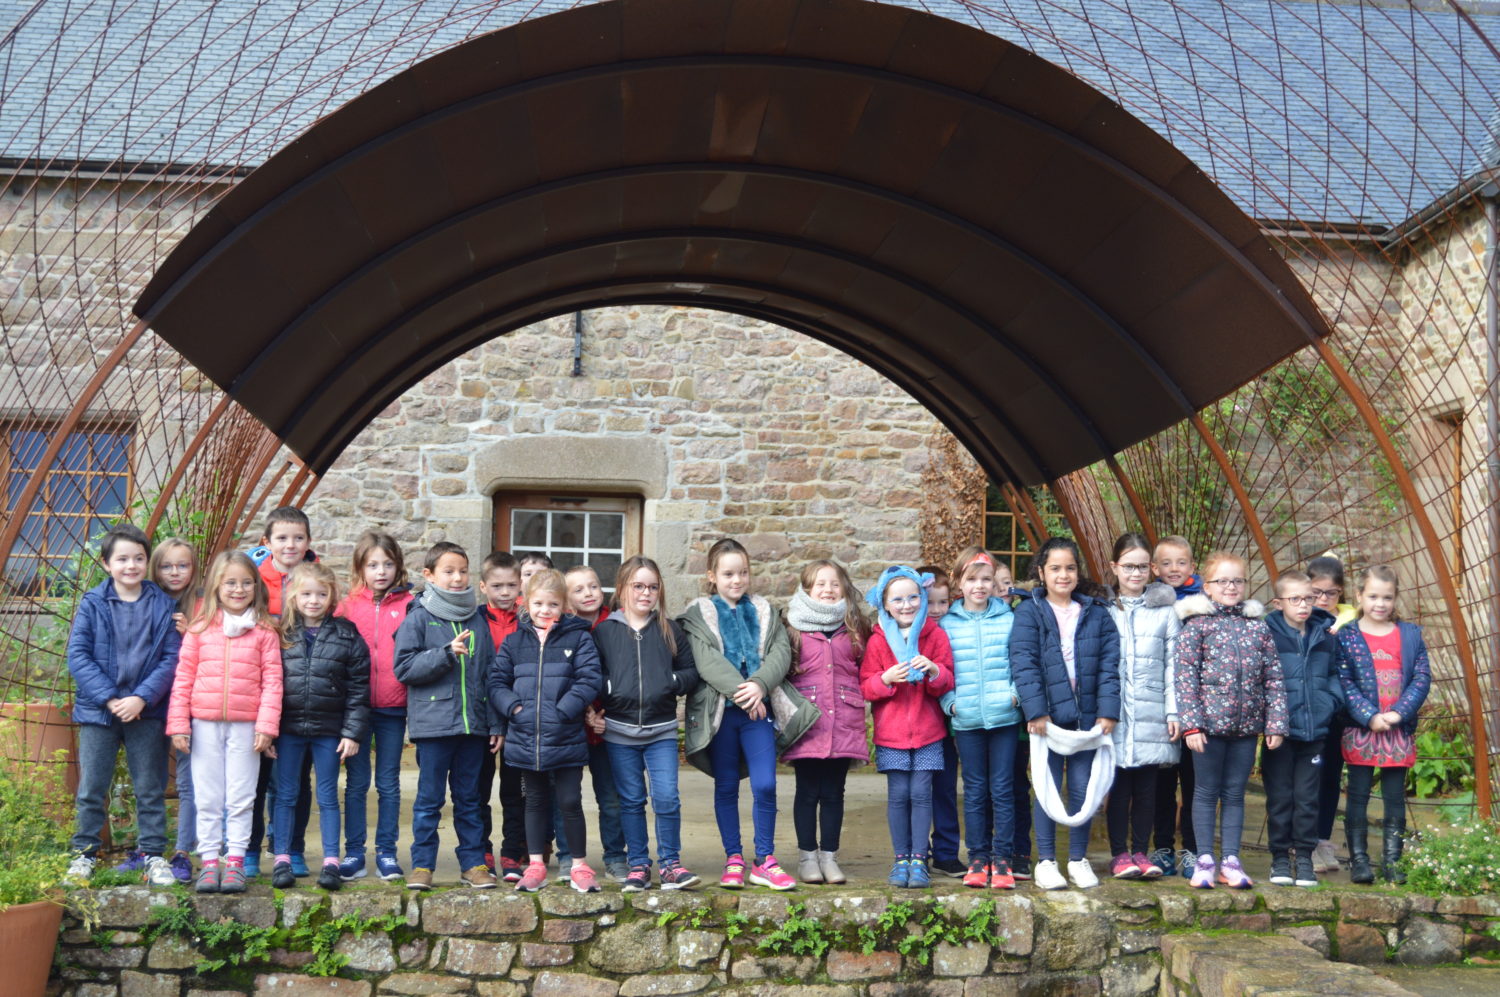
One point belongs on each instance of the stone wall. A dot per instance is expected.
(722, 424)
(499, 943)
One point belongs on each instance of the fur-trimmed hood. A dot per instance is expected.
(1202, 605)
(1158, 595)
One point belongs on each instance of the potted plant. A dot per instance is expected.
(34, 842)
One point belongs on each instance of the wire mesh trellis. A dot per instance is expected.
(1361, 135)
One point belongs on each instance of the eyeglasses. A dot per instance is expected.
(1134, 569)
(1228, 583)
(644, 587)
(1299, 600)
(906, 600)
(1327, 593)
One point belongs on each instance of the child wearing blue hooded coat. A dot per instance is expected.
(906, 669)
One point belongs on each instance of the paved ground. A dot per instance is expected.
(1444, 981)
(865, 852)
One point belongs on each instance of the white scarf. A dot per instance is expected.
(1058, 741)
(242, 623)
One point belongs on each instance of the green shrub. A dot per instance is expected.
(1454, 861)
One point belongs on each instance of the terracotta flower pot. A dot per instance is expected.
(41, 731)
(28, 937)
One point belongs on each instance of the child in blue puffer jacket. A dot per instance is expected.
(546, 675)
(986, 717)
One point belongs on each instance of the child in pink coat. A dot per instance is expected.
(907, 667)
(226, 710)
(828, 634)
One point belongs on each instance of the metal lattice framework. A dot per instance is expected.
(1362, 138)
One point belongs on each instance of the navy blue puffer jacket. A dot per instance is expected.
(1309, 667)
(542, 691)
(1041, 676)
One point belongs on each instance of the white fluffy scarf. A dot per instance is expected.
(1058, 741)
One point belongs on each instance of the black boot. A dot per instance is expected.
(1357, 828)
(1394, 826)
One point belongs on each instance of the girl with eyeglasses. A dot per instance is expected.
(1229, 692)
(647, 664)
(1327, 575)
(906, 669)
(1147, 736)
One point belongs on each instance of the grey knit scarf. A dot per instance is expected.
(807, 615)
(455, 607)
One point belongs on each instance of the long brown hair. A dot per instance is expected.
(622, 578)
(855, 623)
(369, 542)
(1379, 573)
(303, 575)
(214, 577)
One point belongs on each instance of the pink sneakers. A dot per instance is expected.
(734, 873)
(1149, 869)
(582, 879)
(534, 878)
(1124, 867)
(769, 873)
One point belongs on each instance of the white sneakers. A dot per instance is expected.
(158, 872)
(80, 870)
(1048, 876)
(1082, 874)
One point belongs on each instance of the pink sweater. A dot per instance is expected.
(228, 679)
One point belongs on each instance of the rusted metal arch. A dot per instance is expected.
(1147, 526)
(16, 517)
(289, 497)
(1013, 501)
(169, 489)
(1237, 485)
(232, 523)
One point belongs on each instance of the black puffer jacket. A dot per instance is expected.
(542, 690)
(326, 693)
(642, 677)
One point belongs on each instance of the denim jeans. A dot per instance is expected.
(1076, 769)
(291, 751)
(387, 738)
(944, 847)
(753, 743)
(607, 798)
(187, 811)
(908, 809)
(448, 765)
(145, 743)
(263, 816)
(636, 765)
(1221, 770)
(988, 758)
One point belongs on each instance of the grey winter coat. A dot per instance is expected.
(1148, 627)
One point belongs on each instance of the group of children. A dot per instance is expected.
(268, 678)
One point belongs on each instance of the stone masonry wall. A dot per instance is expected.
(723, 424)
(1109, 941)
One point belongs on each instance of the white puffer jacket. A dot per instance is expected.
(1148, 627)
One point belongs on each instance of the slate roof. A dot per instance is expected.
(1409, 106)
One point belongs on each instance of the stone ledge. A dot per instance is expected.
(1121, 939)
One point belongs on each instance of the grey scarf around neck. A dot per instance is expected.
(806, 614)
(455, 607)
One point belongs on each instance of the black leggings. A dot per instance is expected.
(820, 783)
(1392, 792)
(567, 783)
(1132, 804)
(1170, 817)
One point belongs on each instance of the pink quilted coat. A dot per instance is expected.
(223, 678)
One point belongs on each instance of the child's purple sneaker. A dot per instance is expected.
(1203, 873)
(182, 867)
(1232, 874)
(134, 862)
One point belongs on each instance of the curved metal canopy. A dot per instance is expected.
(1045, 273)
